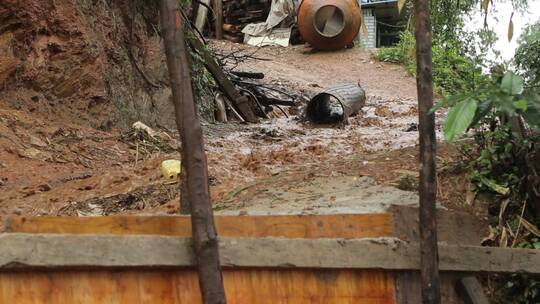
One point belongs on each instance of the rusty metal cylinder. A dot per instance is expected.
(329, 24)
(336, 104)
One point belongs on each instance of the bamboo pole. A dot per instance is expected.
(429, 268)
(193, 155)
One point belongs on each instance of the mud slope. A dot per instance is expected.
(73, 77)
(84, 61)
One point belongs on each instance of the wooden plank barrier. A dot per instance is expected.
(346, 226)
(249, 286)
(357, 258)
(53, 251)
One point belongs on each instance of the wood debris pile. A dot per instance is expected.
(239, 13)
(243, 96)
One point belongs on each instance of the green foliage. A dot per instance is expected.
(502, 97)
(526, 288)
(460, 118)
(527, 54)
(504, 159)
(202, 83)
(501, 166)
(389, 54)
(505, 116)
(453, 71)
(447, 18)
(500, 162)
(512, 84)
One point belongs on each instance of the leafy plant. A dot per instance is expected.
(389, 54)
(526, 288)
(453, 71)
(505, 97)
(526, 57)
(460, 118)
(505, 116)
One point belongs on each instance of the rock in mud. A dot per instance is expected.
(35, 141)
(44, 187)
(33, 153)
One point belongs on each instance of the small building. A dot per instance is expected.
(381, 19)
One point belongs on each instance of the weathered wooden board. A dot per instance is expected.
(91, 251)
(295, 226)
(180, 285)
(452, 229)
(253, 285)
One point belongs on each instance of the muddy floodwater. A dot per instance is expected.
(62, 168)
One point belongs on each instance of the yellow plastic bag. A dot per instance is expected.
(171, 169)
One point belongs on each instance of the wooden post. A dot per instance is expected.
(471, 291)
(202, 15)
(193, 155)
(428, 172)
(218, 10)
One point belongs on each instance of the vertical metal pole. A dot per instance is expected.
(193, 155)
(428, 172)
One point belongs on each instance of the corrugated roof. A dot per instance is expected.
(371, 3)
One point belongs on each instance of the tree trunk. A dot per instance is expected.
(428, 171)
(193, 155)
(218, 10)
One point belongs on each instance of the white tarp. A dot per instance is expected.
(277, 36)
(277, 28)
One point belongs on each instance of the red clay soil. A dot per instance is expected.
(69, 91)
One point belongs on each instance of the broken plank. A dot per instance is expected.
(21, 251)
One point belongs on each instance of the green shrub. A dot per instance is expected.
(453, 71)
(389, 54)
(527, 58)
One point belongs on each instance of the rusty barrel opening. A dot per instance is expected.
(325, 109)
(336, 104)
(329, 21)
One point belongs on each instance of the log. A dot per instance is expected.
(252, 75)
(240, 102)
(193, 155)
(27, 251)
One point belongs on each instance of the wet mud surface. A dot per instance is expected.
(50, 166)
